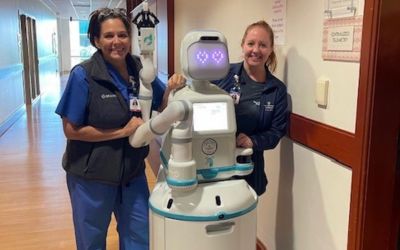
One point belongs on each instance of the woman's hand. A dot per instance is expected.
(244, 141)
(176, 81)
(93, 134)
(132, 125)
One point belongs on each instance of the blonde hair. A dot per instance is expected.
(271, 61)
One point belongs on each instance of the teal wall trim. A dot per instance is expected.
(10, 70)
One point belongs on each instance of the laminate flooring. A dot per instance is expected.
(35, 210)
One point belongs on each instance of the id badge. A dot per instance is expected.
(235, 90)
(134, 105)
(235, 96)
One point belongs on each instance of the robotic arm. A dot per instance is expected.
(175, 111)
(182, 170)
(144, 17)
(145, 22)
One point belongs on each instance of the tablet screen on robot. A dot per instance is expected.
(210, 116)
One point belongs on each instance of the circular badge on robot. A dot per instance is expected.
(209, 146)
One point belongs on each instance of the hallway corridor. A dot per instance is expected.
(35, 210)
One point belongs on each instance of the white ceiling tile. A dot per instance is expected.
(80, 9)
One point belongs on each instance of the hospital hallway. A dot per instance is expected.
(35, 210)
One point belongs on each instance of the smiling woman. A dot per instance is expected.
(114, 42)
(109, 31)
(99, 110)
(260, 99)
(105, 175)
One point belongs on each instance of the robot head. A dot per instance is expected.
(204, 55)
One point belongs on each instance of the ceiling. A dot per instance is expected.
(80, 9)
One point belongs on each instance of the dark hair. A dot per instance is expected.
(271, 61)
(98, 16)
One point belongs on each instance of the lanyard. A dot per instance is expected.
(235, 91)
(133, 87)
(133, 93)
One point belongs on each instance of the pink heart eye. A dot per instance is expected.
(202, 56)
(217, 56)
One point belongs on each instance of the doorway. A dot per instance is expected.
(30, 59)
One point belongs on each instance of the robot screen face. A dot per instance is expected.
(210, 116)
(207, 60)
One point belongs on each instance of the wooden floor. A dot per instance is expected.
(35, 210)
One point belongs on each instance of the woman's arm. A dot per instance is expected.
(176, 81)
(269, 138)
(93, 134)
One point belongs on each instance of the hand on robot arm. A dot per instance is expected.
(175, 83)
(175, 111)
(244, 149)
(242, 140)
(94, 134)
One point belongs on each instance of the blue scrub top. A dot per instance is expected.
(75, 97)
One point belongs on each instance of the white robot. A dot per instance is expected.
(195, 203)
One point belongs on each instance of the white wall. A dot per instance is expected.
(64, 45)
(308, 198)
(11, 68)
(229, 17)
(303, 65)
(300, 62)
(307, 202)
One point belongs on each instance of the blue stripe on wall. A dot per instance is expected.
(10, 70)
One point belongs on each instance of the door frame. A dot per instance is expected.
(29, 57)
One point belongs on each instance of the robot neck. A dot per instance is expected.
(200, 85)
(205, 87)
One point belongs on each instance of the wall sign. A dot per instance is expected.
(278, 21)
(341, 39)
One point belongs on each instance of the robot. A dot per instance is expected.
(197, 203)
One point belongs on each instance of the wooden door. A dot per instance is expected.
(30, 59)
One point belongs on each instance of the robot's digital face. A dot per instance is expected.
(207, 60)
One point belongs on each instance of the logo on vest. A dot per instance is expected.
(269, 107)
(106, 96)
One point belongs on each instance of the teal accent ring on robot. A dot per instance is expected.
(213, 172)
(180, 183)
(216, 217)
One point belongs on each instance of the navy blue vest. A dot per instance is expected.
(112, 161)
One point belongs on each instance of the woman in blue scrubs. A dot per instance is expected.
(105, 175)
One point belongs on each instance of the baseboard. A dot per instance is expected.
(260, 245)
(4, 126)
